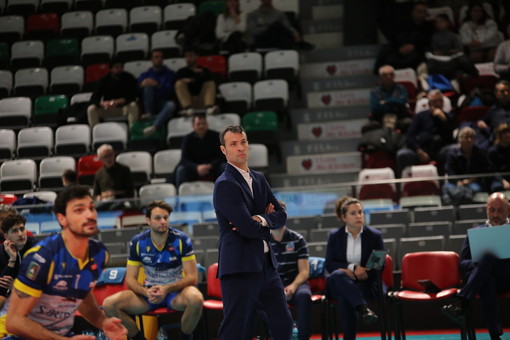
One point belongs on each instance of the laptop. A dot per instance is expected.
(493, 239)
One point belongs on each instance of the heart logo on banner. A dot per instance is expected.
(326, 99)
(331, 69)
(307, 164)
(317, 131)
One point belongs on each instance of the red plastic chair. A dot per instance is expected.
(214, 296)
(471, 114)
(8, 198)
(215, 64)
(87, 168)
(43, 26)
(374, 191)
(440, 267)
(484, 82)
(95, 72)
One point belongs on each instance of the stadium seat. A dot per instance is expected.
(5, 54)
(165, 42)
(146, 19)
(214, 6)
(435, 11)
(15, 112)
(55, 6)
(66, 80)
(177, 128)
(72, 140)
(93, 75)
(51, 170)
(158, 191)
(46, 109)
(62, 52)
(97, 49)
(7, 144)
(221, 121)
(112, 133)
(471, 114)
(79, 24)
(18, 175)
(132, 46)
(87, 168)
(137, 67)
(237, 96)
(26, 54)
(111, 21)
(174, 63)
(31, 82)
(259, 158)
(282, 64)
(407, 78)
(175, 14)
(262, 127)
(375, 191)
(81, 97)
(245, 67)
(435, 214)
(270, 95)
(35, 142)
(196, 188)
(12, 28)
(139, 142)
(42, 26)
(140, 164)
(5, 83)
(22, 7)
(217, 64)
(89, 5)
(165, 162)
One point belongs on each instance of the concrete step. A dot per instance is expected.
(330, 69)
(325, 40)
(322, 26)
(338, 129)
(334, 178)
(306, 147)
(324, 163)
(337, 83)
(310, 115)
(352, 97)
(340, 54)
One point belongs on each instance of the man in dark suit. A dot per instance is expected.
(486, 278)
(246, 210)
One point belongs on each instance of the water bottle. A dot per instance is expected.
(161, 334)
(294, 331)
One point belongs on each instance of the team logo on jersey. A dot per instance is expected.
(290, 246)
(39, 258)
(60, 285)
(33, 270)
(148, 248)
(171, 248)
(63, 264)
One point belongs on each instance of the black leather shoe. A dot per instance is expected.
(367, 315)
(454, 311)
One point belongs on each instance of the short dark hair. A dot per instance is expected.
(199, 115)
(233, 129)
(157, 204)
(11, 220)
(70, 175)
(188, 49)
(157, 50)
(69, 193)
(116, 60)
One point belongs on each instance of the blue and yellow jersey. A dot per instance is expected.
(60, 281)
(161, 265)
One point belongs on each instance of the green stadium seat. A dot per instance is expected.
(46, 109)
(139, 142)
(61, 52)
(217, 7)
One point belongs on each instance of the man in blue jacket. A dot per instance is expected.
(157, 90)
(247, 209)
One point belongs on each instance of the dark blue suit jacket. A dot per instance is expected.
(242, 250)
(336, 252)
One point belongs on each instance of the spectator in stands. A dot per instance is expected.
(407, 48)
(230, 27)
(69, 177)
(388, 101)
(499, 155)
(446, 54)
(113, 180)
(157, 90)
(497, 114)
(5, 210)
(291, 252)
(502, 60)
(201, 156)
(351, 284)
(479, 34)
(268, 27)
(429, 132)
(486, 277)
(464, 158)
(114, 96)
(167, 258)
(16, 243)
(195, 86)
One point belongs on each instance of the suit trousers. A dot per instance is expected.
(247, 293)
(489, 277)
(349, 295)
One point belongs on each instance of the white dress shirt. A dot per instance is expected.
(353, 249)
